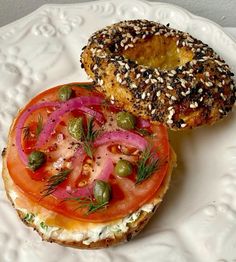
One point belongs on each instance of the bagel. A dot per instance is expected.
(56, 215)
(160, 73)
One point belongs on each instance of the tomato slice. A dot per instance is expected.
(127, 196)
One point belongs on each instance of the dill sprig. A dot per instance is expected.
(54, 181)
(39, 125)
(143, 131)
(89, 137)
(91, 133)
(87, 202)
(88, 86)
(88, 149)
(26, 132)
(92, 207)
(147, 165)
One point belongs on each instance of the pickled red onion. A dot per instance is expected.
(62, 193)
(98, 116)
(87, 191)
(106, 171)
(77, 164)
(70, 105)
(125, 137)
(20, 126)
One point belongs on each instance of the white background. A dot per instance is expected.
(220, 11)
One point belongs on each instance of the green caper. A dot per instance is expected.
(75, 128)
(102, 191)
(123, 168)
(125, 120)
(36, 159)
(65, 93)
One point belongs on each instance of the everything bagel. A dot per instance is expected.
(160, 73)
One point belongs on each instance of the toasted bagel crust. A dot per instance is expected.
(133, 228)
(197, 90)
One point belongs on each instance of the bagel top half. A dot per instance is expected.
(160, 73)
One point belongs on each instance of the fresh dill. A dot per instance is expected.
(54, 181)
(88, 86)
(88, 149)
(89, 137)
(43, 226)
(39, 125)
(29, 217)
(87, 202)
(143, 132)
(147, 165)
(26, 132)
(92, 207)
(91, 133)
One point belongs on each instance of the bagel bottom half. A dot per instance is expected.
(57, 228)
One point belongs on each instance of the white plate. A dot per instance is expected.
(197, 221)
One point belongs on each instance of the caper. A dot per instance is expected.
(102, 191)
(75, 128)
(125, 120)
(123, 168)
(36, 159)
(65, 93)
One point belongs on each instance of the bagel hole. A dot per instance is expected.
(158, 52)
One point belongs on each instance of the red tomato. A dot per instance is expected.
(127, 196)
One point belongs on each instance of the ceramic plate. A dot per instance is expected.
(197, 220)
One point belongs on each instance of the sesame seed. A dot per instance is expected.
(193, 105)
(133, 85)
(173, 98)
(169, 87)
(188, 91)
(127, 66)
(183, 125)
(169, 121)
(222, 95)
(158, 93)
(153, 81)
(209, 84)
(143, 95)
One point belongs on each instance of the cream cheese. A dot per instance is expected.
(88, 235)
